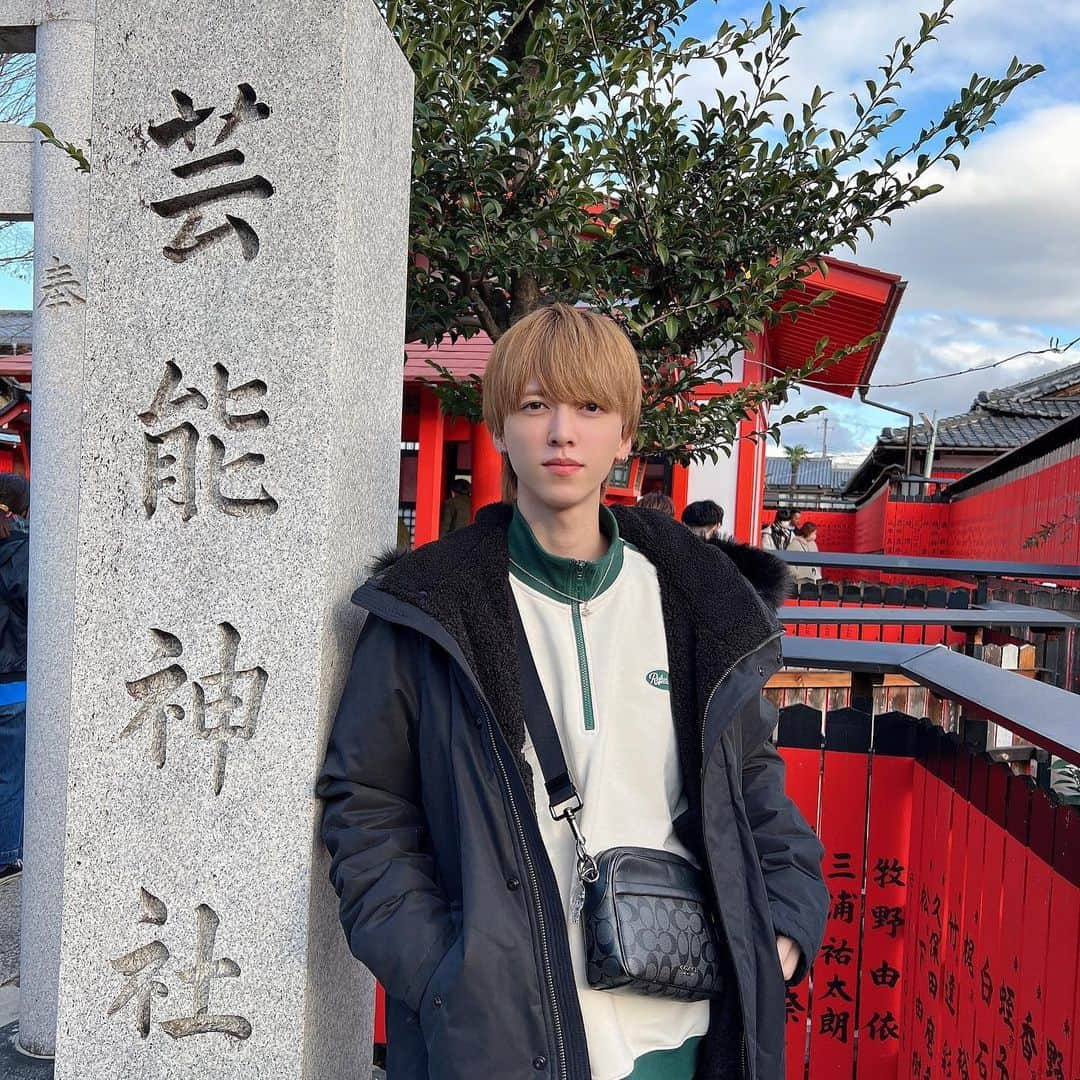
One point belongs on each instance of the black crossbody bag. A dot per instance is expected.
(649, 925)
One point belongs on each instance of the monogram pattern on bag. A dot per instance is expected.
(667, 948)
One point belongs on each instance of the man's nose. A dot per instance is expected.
(561, 426)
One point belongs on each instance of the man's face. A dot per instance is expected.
(794, 523)
(561, 451)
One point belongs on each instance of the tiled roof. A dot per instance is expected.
(999, 420)
(975, 431)
(1042, 386)
(1005, 418)
(814, 472)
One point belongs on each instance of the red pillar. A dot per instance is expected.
(750, 474)
(486, 469)
(680, 488)
(429, 469)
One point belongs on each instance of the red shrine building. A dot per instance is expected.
(436, 449)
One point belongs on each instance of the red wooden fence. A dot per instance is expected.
(953, 939)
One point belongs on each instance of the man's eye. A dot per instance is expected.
(591, 406)
(532, 406)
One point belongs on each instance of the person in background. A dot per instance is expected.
(703, 518)
(805, 539)
(776, 536)
(14, 578)
(657, 500)
(457, 510)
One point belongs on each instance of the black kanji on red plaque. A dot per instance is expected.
(844, 906)
(1001, 1063)
(948, 992)
(1029, 1046)
(887, 918)
(885, 975)
(883, 1026)
(841, 866)
(836, 952)
(1055, 1061)
(835, 1024)
(969, 956)
(888, 872)
(963, 1063)
(1007, 1005)
(793, 1007)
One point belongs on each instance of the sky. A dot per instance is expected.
(991, 262)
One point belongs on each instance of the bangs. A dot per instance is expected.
(572, 355)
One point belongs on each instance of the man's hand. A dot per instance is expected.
(789, 952)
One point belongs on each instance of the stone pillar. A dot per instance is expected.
(239, 466)
(60, 194)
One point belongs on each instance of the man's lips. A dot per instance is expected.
(563, 466)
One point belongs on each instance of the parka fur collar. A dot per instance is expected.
(718, 602)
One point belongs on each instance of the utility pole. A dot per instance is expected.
(825, 437)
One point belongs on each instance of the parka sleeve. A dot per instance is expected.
(789, 851)
(395, 916)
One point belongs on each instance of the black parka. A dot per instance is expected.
(446, 891)
(14, 579)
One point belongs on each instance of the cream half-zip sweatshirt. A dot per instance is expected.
(596, 632)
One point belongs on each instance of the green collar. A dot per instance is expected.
(561, 579)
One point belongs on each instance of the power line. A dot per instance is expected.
(1054, 348)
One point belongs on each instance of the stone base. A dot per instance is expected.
(16, 1066)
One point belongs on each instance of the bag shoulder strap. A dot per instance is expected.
(563, 796)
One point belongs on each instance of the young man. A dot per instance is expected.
(652, 649)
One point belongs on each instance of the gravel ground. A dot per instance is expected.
(9, 930)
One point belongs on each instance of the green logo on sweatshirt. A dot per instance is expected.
(659, 679)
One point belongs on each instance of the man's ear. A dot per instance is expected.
(624, 448)
(498, 443)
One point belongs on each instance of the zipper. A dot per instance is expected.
(583, 668)
(708, 704)
(579, 641)
(744, 1063)
(534, 884)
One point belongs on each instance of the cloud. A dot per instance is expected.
(1000, 240)
(924, 344)
(843, 41)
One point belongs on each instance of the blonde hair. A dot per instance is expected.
(572, 354)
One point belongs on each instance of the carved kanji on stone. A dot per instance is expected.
(145, 980)
(191, 206)
(175, 422)
(231, 711)
(141, 968)
(224, 704)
